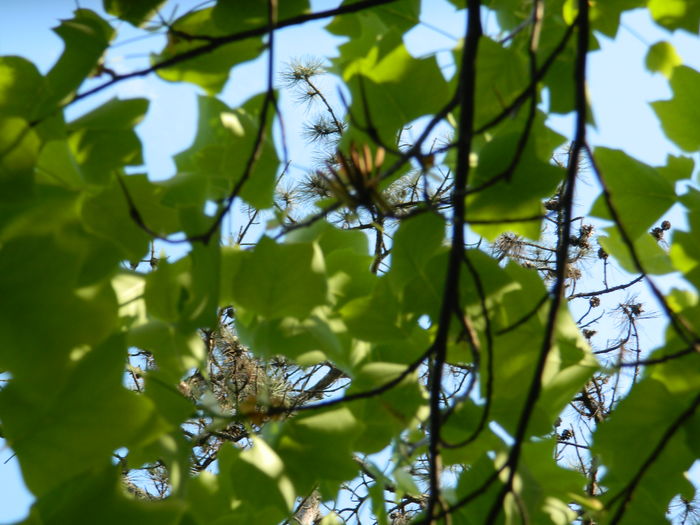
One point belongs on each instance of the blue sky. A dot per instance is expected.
(619, 85)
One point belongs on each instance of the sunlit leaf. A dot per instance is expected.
(216, 160)
(662, 58)
(676, 14)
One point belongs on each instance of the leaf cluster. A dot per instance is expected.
(420, 334)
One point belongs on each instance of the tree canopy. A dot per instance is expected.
(422, 327)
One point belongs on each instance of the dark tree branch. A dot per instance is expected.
(663, 359)
(606, 290)
(450, 300)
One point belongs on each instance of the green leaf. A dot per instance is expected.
(207, 497)
(99, 153)
(415, 242)
(378, 83)
(85, 37)
(547, 488)
(225, 137)
(186, 292)
(176, 351)
(308, 342)
(570, 364)
(136, 12)
(679, 114)
(167, 290)
(679, 375)
(210, 69)
(662, 58)
(114, 114)
(201, 309)
(100, 495)
(376, 493)
(685, 254)
(364, 28)
(349, 276)
(347, 260)
(19, 150)
(423, 293)
(510, 12)
(107, 213)
(517, 343)
(472, 480)
(377, 317)
(493, 280)
(559, 79)
(56, 165)
(633, 186)
(605, 16)
(230, 14)
(676, 14)
(386, 414)
(665, 476)
(502, 76)
(259, 478)
(91, 403)
(279, 280)
(51, 281)
(654, 258)
(508, 200)
(302, 445)
(331, 239)
(459, 427)
(677, 168)
(103, 140)
(21, 87)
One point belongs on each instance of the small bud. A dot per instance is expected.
(665, 226)
(594, 302)
(589, 333)
(602, 254)
(657, 233)
(552, 204)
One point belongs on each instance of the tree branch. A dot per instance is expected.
(450, 300)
